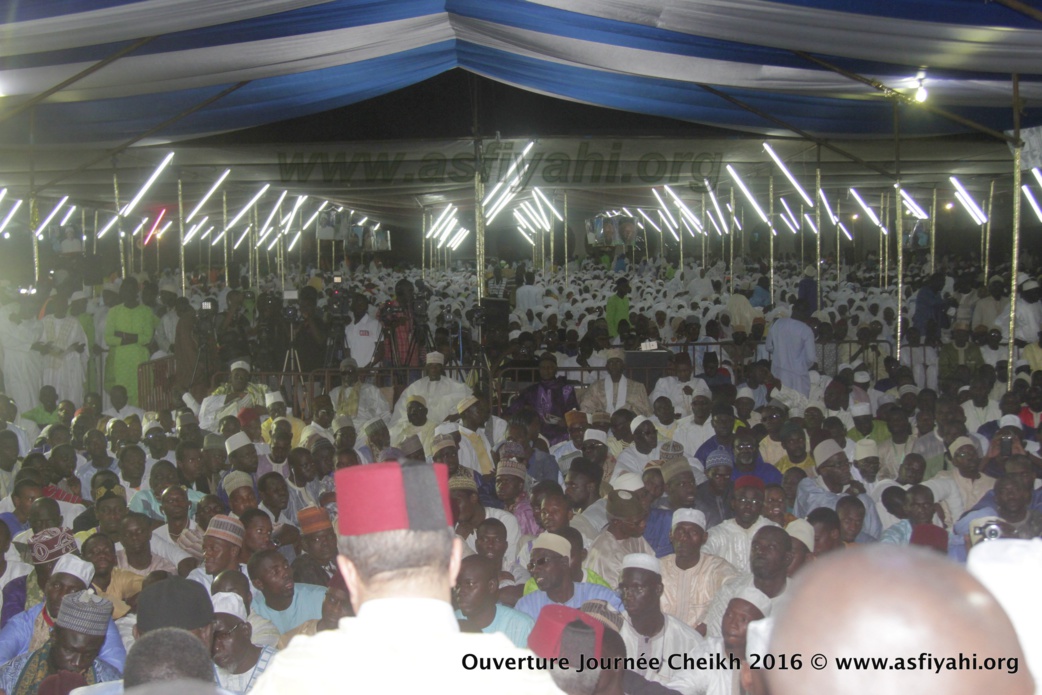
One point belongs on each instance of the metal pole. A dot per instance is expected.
(423, 246)
(224, 225)
(705, 233)
(181, 234)
(817, 216)
(1016, 235)
(119, 224)
(479, 223)
(882, 261)
(34, 212)
(770, 228)
(94, 235)
(839, 264)
(731, 234)
(564, 213)
(933, 232)
(987, 234)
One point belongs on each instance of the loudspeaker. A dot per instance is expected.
(497, 314)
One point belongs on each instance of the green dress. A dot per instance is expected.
(87, 322)
(123, 360)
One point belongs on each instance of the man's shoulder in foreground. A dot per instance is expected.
(406, 663)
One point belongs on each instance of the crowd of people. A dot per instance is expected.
(786, 465)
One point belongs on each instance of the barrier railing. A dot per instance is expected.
(155, 385)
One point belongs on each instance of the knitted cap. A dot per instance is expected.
(85, 612)
(226, 528)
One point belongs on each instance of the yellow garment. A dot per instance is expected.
(296, 424)
(484, 460)
(808, 465)
(122, 586)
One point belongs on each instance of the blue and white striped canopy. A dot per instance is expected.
(301, 57)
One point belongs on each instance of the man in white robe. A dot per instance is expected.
(66, 356)
(20, 337)
(793, 352)
(440, 392)
(732, 538)
(680, 389)
(357, 399)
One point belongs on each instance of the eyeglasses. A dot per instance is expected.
(226, 634)
(541, 562)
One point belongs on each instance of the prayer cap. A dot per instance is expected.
(229, 603)
(85, 612)
(595, 435)
(241, 364)
(757, 598)
(642, 561)
(560, 630)
(623, 504)
(601, 418)
(186, 417)
(809, 271)
(174, 602)
(575, 417)
(235, 480)
(615, 354)
(435, 358)
(342, 421)
(248, 415)
(50, 544)
(554, 543)
(688, 516)
(511, 450)
(226, 528)
(745, 392)
(463, 481)
(466, 403)
(446, 428)
(860, 409)
(673, 467)
(416, 398)
(1029, 285)
(701, 389)
(637, 422)
(237, 441)
(374, 426)
(313, 520)
(671, 449)
(825, 450)
(72, 565)
(348, 363)
(866, 448)
(959, 443)
(442, 441)
(749, 481)
(272, 398)
(908, 388)
(719, 457)
(843, 367)
(548, 357)
(601, 610)
(412, 447)
(996, 278)
(509, 465)
(1010, 421)
(630, 482)
(801, 530)
(392, 497)
(212, 442)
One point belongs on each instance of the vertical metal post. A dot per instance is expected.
(987, 235)
(1015, 260)
(181, 234)
(731, 234)
(564, 213)
(817, 218)
(770, 228)
(479, 223)
(423, 245)
(119, 225)
(839, 264)
(879, 231)
(705, 230)
(224, 225)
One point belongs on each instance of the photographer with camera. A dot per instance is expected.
(400, 338)
(364, 335)
(310, 338)
(233, 330)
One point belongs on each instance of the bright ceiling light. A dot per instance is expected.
(788, 174)
(1031, 199)
(921, 93)
(206, 197)
(10, 215)
(748, 195)
(650, 221)
(129, 207)
(47, 220)
(828, 208)
(248, 205)
(971, 206)
(65, 220)
(864, 206)
(913, 207)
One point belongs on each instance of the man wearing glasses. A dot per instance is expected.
(552, 573)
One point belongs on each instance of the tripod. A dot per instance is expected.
(291, 363)
(335, 345)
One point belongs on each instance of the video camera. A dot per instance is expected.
(291, 312)
(338, 305)
(206, 318)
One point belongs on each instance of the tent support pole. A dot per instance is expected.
(1014, 260)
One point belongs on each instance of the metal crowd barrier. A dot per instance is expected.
(155, 385)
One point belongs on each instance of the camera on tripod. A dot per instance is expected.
(291, 312)
(338, 305)
(206, 318)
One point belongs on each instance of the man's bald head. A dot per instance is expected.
(930, 606)
(481, 567)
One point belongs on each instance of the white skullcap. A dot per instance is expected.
(77, 295)
(241, 364)
(860, 409)
(272, 398)
(642, 561)
(631, 482)
(1010, 421)
(1010, 569)
(862, 377)
(701, 389)
(689, 516)
(757, 598)
(435, 358)
(81, 569)
(866, 448)
(446, 428)
(554, 543)
(237, 441)
(745, 392)
(826, 450)
(230, 603)
(595, 435)
(843, 367)
(637, 422)
(801, 530)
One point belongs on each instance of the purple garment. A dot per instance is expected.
(553, 398)
(14, 599)
(526, 517)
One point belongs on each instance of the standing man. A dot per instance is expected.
(792, 348)
(618, 308)
(128, 331)
(364, 335)
(65, 356)
(497, 286)
(400, 561)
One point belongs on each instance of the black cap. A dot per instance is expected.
(174, 602)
